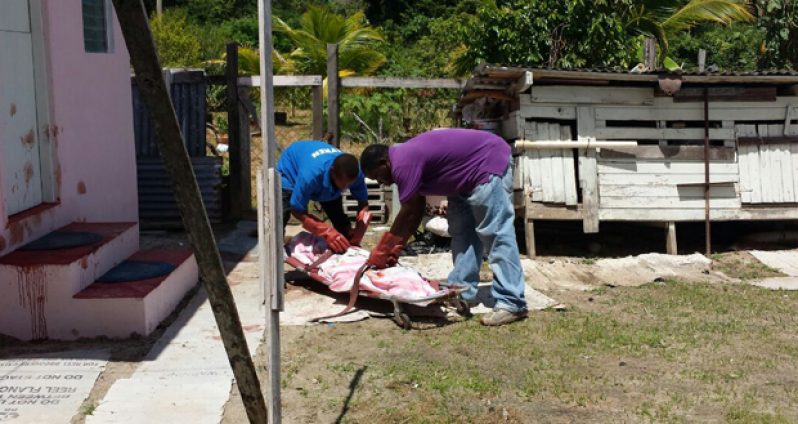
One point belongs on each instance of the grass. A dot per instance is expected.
(88, 408)
(743, 265)
(669, 352)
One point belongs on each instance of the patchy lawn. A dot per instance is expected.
(668, 352)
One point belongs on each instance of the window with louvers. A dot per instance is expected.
(95, 26)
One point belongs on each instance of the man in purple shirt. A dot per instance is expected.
(472, 168)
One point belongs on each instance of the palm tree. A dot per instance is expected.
(663, 18)
(318, 26)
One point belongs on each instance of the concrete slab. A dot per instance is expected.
(47, 388)
(785, 261)
(778, 283)
(186, 376)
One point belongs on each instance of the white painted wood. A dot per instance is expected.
(19, 130)
(47, 147)
(558, 179)
(610, 202)
(790, 115)
(664, 108)
(588, 169)
(697, 214)
(14, 16)
(579, 144)
(533, 164)
(512, 127)
(667, 190)
(283, 81)
(794, 166)
(631, 133)
(729, 142)
(767, 184)
(594, 95)
(665, 179)
(396, 82)
(546, 110)
(781, 171)
(651, 166)
(569, 170)
(748, 157)
(546, 169)
(518, 173)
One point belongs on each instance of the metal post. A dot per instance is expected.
(271, 225)
(707, 224)
(333, 102)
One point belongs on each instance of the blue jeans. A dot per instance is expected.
(483, 219)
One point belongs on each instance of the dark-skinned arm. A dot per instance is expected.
(386, 253)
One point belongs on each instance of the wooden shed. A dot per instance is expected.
(750, 121)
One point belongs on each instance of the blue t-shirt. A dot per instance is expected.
(304, 169)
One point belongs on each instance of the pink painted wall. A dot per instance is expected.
(91, 126)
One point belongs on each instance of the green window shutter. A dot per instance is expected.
(95, 26)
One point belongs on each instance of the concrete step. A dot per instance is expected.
(38, 286)
(137, 307)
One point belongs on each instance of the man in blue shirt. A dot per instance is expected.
(315, 170)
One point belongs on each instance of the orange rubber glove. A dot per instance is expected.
(361, 224)
(386, 253)
(335, 241)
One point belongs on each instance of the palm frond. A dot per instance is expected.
(719, 11)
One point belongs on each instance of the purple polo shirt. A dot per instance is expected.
(447, 162)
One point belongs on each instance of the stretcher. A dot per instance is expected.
(400, 317)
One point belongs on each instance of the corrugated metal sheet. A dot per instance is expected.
(157, 207)
(188, 97)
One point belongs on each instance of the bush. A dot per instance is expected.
(176, 39)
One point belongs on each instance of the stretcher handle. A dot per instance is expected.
(353, 293)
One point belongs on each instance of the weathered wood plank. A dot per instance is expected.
(670, 239)
(632, 133)
(611, 202)
(588, 170)
(283, 81)
(748, 157)
(780, 161)
(607, 166)
(552, 132)
(569, 169)
(670, 152)
(726, 94)
(592, 95)
(397, 82)
(546, 110)
(546, 168)
(661, 190)
(716, 214)
(769, 169)
(333, 88)
(665, 179)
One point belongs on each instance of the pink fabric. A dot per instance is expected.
(339, 271)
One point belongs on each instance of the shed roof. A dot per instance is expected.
(488, 76)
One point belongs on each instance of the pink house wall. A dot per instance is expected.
(91, 128)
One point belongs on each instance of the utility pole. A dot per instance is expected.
(133, 20)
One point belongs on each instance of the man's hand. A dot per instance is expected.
(335, 241)
(386, 253)
(361, 224)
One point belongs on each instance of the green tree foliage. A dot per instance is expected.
(176, 39)
(574, 33)
(778, 22)
(319, 26)
(736, 47)
(664, 19)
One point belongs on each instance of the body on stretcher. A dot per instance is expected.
(347, 272)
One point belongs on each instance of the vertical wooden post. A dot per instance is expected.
(529, 230)
(144, 59)
(318, 112)
(271, 237)
(588, 168)
(246, 152)
(702, 59)
(650, 53)
(670, 241)
(333, 102)
(233, 129)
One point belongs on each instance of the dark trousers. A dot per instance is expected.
(334, 209)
